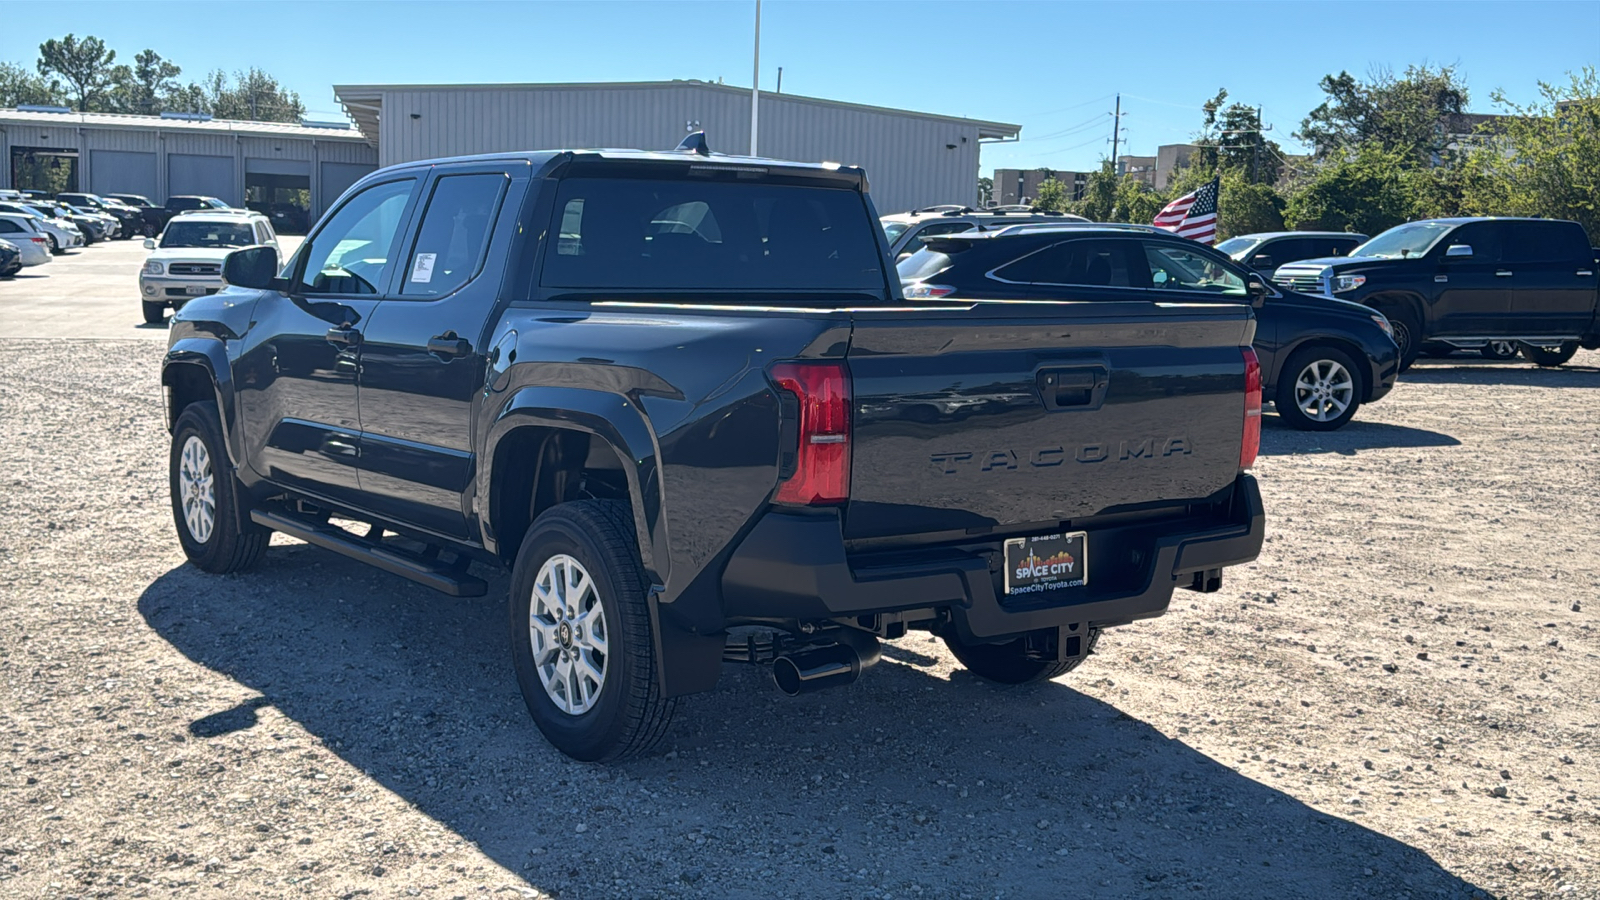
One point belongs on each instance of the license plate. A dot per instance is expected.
(195, 290)
(1047, 562)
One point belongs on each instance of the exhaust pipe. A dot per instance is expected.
(831, 665)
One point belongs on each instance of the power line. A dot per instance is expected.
(1063, 109)
(1073, 129)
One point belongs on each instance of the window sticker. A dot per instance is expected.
(422, 268)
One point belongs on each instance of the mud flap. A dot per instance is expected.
(686, 663)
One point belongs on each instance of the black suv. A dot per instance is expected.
(129, 217)
(1471, 282)
(1320, 358)
(1268, 250)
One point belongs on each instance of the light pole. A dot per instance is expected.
(755, 87)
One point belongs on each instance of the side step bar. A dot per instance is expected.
(451, 580)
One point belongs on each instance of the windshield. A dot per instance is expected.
(1412, 239)
(893, 230)
(1238, 247)
(208, 234)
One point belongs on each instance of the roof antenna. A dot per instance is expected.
(695, 143)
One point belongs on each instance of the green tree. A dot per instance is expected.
(1137, 202)
(1364, 193)
(251, 95)
(985, 190)
(1247, 207)
(1099, 203)
(1052, 196)
(146, 88)
(1546, 160)
(20, 87)
(1400, 114)
(88, 67)
(1233, 139)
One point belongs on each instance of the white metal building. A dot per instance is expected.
(159, 156)
(913, 159)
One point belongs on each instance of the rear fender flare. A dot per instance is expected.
(612, 418)
(211, 356)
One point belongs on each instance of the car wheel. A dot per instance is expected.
(1009, 663)
(580, 633)
(1318, 389)
(55, 244)
(1548, 357)
(154, 313)
(1406, 337)
(207, 501)
(1498, 350)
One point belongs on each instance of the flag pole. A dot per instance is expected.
(755, 87)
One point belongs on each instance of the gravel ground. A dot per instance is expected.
(1398, 700)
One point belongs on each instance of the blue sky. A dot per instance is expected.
(1051, 67)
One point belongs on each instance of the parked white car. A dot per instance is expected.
(29, 238)
(63, 234)
(187, 257)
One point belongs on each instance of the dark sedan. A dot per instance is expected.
(1320, 358)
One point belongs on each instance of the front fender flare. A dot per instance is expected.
(612, 418)
(212, 356)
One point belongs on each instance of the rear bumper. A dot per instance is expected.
(793, 566)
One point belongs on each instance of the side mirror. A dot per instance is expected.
(1257, 288)
(149, 243)
(1458, 251)
(252, 267)
(1261, 261)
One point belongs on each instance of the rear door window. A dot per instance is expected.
(694, 234)
(1546, 242)
(454, 233)
(1088, 263)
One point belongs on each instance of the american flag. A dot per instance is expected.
(1194, 215)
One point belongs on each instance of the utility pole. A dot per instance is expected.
(1255, 159)
(755, 86)
(1116, 133)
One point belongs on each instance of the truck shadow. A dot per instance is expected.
(1278, 439)
(1485, 372)
(957, 786)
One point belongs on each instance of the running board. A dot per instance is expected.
(450, 580)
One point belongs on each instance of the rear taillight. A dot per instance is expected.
(1250, 445)
(815, 464)
(921, 291)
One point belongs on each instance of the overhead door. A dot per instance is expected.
(337, 178)
(122, 172)
(207, 176)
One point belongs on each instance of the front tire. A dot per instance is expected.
(1318, 389)
(1008, 663)
(581, 641)
(1546, 358)
(1407, 336)
(154, 313)
(207, 501)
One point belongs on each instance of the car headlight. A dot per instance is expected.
(1342, 283)
(153, 268)
(1383, 323)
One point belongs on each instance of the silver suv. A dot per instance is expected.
(908, 231)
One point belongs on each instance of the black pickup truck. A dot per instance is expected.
(1489, 283)
(682, 398)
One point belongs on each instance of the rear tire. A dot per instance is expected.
(154, 313)
(208, 503)
(1312, 386)
(1544, 358)
(1008, 663)
(581, 640)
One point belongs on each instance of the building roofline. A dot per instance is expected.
(131, 121)
(358, 92)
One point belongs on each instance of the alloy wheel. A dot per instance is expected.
(197, 489)
(567, 627)
(1323, 390)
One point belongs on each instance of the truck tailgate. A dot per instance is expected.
(1000, 417)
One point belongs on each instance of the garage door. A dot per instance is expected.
(122, 172)
(208, 176)
(337, 177)
(257, 166)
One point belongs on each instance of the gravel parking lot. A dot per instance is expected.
(1400, 699)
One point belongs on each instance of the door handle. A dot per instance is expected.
(344, 336)
(1074, 387)
(448, 344)
(1585, 272)
(1502, 273)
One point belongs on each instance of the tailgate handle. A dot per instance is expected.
(1073, 387)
